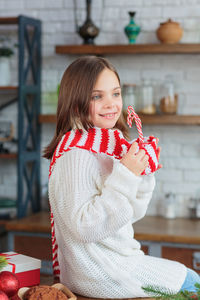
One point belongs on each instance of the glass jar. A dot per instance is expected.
(169, 206)
(147, 105)
(194, 208)
(156, 84)
(169, 101)
(128, 95)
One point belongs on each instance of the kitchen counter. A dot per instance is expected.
(150, 228)
(159, 229)
(38, 222)
(175, 239)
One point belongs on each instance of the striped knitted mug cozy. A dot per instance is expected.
(149, 144)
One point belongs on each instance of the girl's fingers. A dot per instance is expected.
(145, 158)
(141, 154)
(133, 149)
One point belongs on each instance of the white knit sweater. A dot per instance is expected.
(94, 200)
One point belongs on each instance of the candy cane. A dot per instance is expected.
(132, 114)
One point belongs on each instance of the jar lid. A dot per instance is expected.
(169, 21)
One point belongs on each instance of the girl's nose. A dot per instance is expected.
(109, 102)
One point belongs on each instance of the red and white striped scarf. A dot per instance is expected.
(98, 140)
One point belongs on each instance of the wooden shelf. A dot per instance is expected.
(8, 155)
(129, 49)
(9, 20)
(170, 119)
(8, 87)
(147, 119)
(47, 119)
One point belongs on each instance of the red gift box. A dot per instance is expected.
(26, 268)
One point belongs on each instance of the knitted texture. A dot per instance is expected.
(108, 141)
(97, 140)
(94, 200)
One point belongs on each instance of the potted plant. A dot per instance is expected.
(6, 52)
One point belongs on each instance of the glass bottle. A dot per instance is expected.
(147, 105)
(169, 101)
(169, 206)
(128, 95)
(156, 85)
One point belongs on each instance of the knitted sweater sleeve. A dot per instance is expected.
(92, 214)
(144, 194)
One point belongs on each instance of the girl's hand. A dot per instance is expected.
(135, 162)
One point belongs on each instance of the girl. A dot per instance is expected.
(96, 193)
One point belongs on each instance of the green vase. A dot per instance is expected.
(132, 30)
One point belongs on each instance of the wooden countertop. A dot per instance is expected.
(39, 222)
(158, 229)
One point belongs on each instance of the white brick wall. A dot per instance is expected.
(180, 144)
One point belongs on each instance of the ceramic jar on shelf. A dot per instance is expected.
(169, 32)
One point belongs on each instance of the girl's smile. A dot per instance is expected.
(109, 116)
(106, 102)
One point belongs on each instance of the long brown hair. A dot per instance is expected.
(75, 95)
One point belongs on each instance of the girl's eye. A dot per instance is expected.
(96, 97)
(116, 94)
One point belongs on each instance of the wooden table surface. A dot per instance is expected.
(84, 298)
(159, 229)
(48, 280)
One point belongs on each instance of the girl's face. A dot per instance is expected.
(106, 102)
